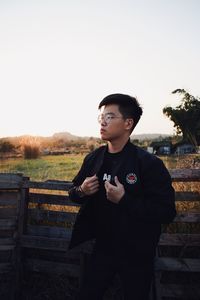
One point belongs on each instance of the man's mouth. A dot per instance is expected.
(102, 130)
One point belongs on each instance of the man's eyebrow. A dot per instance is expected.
(110, 113)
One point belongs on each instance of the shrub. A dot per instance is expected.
(6, 146)
(31, 151)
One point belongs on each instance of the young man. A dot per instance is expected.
(126, 194)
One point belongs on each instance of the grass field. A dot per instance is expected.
(65, 167)
(60, 167)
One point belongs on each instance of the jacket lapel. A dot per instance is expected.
(98, 161)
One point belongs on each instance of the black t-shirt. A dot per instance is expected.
(107, 213)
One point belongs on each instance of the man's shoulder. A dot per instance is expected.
(95, 152)
(145, 156)
(141, 152)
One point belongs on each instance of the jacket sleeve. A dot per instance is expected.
(78, 180)
(156, 202)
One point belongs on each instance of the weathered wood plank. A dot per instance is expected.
(7, 247)
(8, 212)
(49, 185)
(6, 224)
(187, 196)
(179, 239)
(49, 231)
(187, 217)
(7, 241)
(10, 177)
(38, 265)
(5, 267)
(51, 199)
(6, 233)
(185, 174)
(10, 181)
(176, 174)
(181, 291)
(66, 256)
(64, 200)
(51, 216)
(177, 264)
(44, 243)
(9, 198)
(9, 186)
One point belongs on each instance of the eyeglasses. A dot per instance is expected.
(107, 118)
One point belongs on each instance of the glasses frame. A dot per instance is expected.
(107, 118)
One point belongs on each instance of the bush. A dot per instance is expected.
(31, 151)
(6, 146)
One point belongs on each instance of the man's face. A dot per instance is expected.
(113, 125)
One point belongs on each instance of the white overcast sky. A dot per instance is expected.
(58, 59)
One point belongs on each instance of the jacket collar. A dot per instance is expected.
(99, 161)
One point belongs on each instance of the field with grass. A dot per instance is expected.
(59, 167)
(65, 167)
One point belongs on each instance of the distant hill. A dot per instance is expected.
(144, 136)
(65, 136)
(68, 136)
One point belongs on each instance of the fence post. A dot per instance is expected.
(13, 196)
(22, 217)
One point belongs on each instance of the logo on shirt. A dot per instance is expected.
(131, 178)
(106, 177)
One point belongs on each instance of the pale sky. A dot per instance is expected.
(58, 59)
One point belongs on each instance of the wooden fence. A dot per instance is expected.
(36, 220)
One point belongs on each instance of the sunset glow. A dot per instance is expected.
(58, 59)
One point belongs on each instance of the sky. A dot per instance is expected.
(59, 59)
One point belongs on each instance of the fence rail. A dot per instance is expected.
(36, 220)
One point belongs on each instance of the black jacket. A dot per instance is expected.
(148, 201)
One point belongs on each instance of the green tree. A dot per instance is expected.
(186, 117)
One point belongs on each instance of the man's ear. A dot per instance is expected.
(129, 123)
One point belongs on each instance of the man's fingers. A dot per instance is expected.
(92, 185)
(90, 181)
(118, 183)
(107, 184)
(93, 178)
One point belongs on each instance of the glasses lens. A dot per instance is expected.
(102, 118)
(105, 118)
(99, 118)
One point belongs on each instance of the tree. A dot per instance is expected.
(186, 117)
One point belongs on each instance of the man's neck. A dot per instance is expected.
(116, 145)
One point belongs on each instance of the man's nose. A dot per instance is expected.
(103, 122)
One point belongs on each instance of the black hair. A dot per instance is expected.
(128, 106)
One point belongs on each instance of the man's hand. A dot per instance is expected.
(114, 193)
(90, 185)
